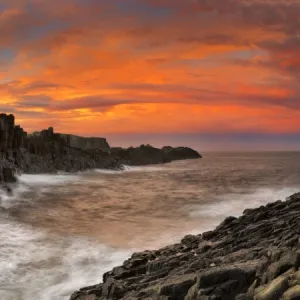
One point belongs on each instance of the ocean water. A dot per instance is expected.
(62, 232)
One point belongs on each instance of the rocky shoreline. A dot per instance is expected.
(255, 256)
(49, 152)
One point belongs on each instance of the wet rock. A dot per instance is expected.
(9, 174)
(287, 261)
(274, 290)
(292, 293)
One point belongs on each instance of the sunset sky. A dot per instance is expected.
(212, 74)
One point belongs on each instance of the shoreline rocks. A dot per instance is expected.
(255, 256)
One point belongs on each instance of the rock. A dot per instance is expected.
(274, 290)
(9, 174)
(287, 261)
(178, 289)
(292, 293)
(190, 241)
(179, 153)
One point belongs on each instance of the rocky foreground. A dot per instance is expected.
(255, 256)
(49, 152)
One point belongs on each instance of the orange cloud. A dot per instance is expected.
(157, 66)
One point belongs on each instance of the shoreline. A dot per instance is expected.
(255, 256)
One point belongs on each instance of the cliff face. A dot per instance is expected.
(253, 257)
(12, 140)
(43, 152)
(85, 143)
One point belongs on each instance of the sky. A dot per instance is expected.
(211, 74)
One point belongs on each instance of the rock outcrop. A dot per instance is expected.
(178, 153)
(147, 155)
(255, 256)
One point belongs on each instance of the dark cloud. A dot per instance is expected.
(288, 46)
(40, 101)
(214, 39)
(89, 102)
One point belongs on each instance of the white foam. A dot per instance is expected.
(28, 182)
(126, 169)
(47, 179)
(234, 204)
(36, 266)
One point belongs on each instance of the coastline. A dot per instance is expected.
(49, 152)
(255, 256)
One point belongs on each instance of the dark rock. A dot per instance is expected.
(179, 153)
(177, 289)
(190, 241)
(147, 155)
(9, 174)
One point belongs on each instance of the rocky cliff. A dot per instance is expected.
(48, 152)
(253, 257)
(44, 152)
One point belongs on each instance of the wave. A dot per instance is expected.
(35, 265)
(46, 182)
(126, 169)
(27, 182)
(47, 179)
(234, 204)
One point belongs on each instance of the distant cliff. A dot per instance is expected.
(85, 143)
(146, 155)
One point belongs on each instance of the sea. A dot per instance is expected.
(61, 232)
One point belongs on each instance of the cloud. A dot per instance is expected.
(169, 64)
